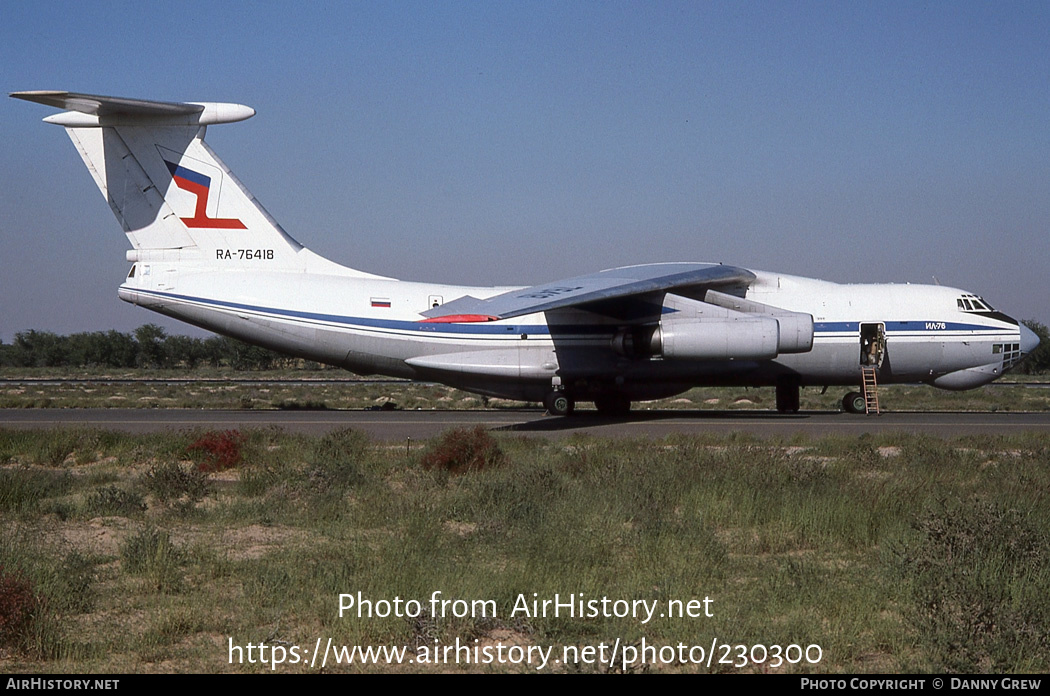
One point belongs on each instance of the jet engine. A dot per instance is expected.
(711, 330)
(730, 338)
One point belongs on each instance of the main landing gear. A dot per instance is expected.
(613, 405)
(788, 400)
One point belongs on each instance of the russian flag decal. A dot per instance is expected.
(380, 301)
(200, 185)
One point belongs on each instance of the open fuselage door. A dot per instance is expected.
(872, 344)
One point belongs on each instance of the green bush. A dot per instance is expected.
(150, 553)
(336, 461)
(114, 501)
(22, 489)
(172, 482)
(69, 585)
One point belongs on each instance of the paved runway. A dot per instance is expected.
(418, 425)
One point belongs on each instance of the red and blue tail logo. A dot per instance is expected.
(200, 185)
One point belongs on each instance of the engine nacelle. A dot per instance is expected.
(796, 328)
(733, 338)
(796, 332)
(723, 328)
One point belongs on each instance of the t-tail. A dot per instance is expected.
(176, 200)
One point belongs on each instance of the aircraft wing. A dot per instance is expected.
(612, 284)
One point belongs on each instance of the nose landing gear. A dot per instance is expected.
(853, 402)
(558, 403)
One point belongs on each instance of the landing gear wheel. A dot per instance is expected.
(559, 404)
(853, 403)
(788, 400)
(614, 405)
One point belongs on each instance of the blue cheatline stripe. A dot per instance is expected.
(486, 328)
(188, 174)
(902, 326)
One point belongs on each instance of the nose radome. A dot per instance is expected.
(1029, 339)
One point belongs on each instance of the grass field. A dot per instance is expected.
(306, 389)
(152, 553)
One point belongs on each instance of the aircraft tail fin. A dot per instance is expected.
(169, 190)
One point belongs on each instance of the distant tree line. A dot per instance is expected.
(1039, 360)
(148, 346)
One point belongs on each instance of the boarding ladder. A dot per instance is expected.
(871, 389)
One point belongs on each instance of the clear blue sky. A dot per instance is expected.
(502, 143)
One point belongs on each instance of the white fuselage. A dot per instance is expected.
(372, 325)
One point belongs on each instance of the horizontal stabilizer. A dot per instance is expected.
(97, 105)
(102, 110)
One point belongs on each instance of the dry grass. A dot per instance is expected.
(842, 543)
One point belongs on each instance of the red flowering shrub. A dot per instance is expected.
(463, 449)
(216, 450)
(19, 605)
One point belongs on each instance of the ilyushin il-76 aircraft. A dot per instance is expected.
(206, 252)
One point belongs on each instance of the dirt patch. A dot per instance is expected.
(463, 529)
(255, 541)
(100, 535)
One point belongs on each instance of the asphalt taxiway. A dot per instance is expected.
(419, 425)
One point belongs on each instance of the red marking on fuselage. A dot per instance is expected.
(459, 319)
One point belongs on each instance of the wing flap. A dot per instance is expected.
(611, 284)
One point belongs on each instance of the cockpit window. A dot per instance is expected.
(973, 303)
